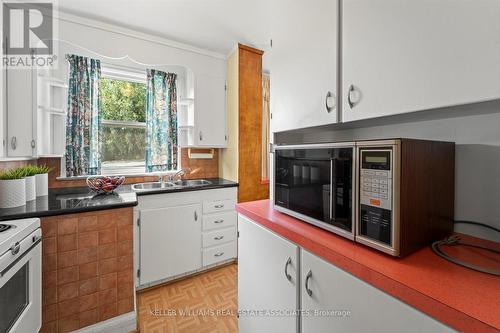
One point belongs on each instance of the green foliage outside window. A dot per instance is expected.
(123, 101)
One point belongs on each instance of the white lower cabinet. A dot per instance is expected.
(340, 302)
(330, 299)
(170, 241)
(181, 233)
(264, 261)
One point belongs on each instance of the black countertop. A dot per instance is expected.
(214, 184)
(80, 199)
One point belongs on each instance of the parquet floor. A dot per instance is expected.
(205, 303)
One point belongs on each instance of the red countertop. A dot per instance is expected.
(461, 298)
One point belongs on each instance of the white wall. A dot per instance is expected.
(117, 42)
(474, 128)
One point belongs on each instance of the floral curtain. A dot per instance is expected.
(161, 121)
(83, 124)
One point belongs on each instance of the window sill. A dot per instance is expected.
(126, 175)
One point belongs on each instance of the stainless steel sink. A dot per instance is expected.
(141, 187)
(192, 182)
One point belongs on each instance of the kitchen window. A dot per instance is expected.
(120, 120)
(123, 111)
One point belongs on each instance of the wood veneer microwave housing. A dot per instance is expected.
(421, 178)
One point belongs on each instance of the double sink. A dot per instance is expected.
(155, 186)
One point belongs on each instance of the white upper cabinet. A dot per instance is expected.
(401, 56)
(21, 117)
(210, 111)
(303, 63)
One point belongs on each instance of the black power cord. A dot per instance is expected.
(455, 240)
(477, 223)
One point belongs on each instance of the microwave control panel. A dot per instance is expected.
(375, 194)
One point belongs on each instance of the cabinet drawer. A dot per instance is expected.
(217, 237)
(216, 221)
(219, 253)
(218, 205)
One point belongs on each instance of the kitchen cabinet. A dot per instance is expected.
(181, 233)
(401, 56)
(20, 112)
(331, 300)
(364, 306)
(267, 280)
(202, 118)
(170, 241)
(210, 111)
(303, 61)
(219, 229)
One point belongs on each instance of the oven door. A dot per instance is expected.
(20, 293)
(315, 183)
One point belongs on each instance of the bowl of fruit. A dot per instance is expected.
(105, 184)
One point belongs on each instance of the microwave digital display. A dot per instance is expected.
(376, 159)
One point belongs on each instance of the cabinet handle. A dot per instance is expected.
(218, 221)
(329, 96)
(288, 262)
(218, 237)
(219, 206)
(308, 276)
(13, 143)
(219, 254)
(195, 215)
(201, 136)
(33, 143)
(349, 100)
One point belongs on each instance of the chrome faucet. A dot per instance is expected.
(179, 174)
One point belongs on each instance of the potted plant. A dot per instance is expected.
(12, 188)
(42, 180)
(29, 172)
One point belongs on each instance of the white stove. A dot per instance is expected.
(20, 276)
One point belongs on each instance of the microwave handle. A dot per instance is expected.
(332, 174)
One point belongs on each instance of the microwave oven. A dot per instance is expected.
(394, 195)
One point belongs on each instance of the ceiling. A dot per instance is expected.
(215, 25)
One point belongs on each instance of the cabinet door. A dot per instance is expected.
(404, 55)
(210, 111)
(262, 283)
(170, 242)
(303, 63)
(369, 309)
(20, 115)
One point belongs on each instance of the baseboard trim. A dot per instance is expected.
(121, 324)
(205, 269)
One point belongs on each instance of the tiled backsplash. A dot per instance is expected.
(204, 168)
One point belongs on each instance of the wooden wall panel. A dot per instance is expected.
(250, 125)
(87, 268)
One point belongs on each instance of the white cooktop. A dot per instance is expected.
(19, 230)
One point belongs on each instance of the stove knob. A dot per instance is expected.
(15, 248)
